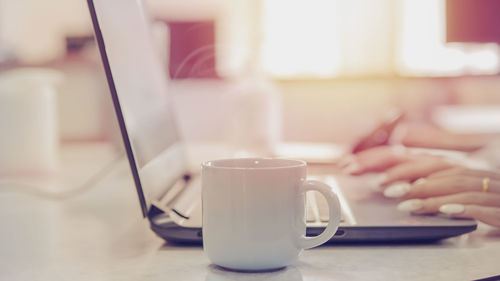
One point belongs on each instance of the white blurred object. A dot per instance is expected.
(243, 113)
(257, 120)
(28, 121)
(318, 152)
(6, 53)
(468, 119)
(83, 102)
(35, 30)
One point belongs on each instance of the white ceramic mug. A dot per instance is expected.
(254, 212)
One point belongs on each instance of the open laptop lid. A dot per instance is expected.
(138, 84)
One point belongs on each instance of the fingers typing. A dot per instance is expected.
(412, 170)
(440, 186)
(372, 160)
(432, 205)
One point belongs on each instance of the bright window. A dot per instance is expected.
(330, 38)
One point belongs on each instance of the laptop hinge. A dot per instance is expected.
(171, 196)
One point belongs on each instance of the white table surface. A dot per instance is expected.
(100, 235)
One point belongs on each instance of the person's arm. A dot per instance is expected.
(425, 136)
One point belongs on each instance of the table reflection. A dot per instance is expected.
(216, 273)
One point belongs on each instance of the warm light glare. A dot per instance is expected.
(484, 61)
(423, 49)
(300, 38)
(324, 38)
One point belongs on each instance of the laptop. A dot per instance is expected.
(169, 193)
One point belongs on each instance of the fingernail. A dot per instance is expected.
(378, 180)
(411, 205)
(397, 189)
(346, 160)
(452, 209)
(420, 181)
(352, 168)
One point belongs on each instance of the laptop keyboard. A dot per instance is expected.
(316, 211)
(317, 208)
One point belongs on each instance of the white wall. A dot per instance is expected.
(35, 29)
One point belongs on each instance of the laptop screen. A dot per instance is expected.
(138, 85)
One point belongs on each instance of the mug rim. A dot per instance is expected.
(292, 163)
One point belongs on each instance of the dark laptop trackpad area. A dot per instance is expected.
(376, 218)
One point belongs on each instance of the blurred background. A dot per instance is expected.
(253, 72)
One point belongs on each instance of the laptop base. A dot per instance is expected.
(172, 232)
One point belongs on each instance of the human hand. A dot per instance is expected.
(431, 184)
(395, 164)
(426, 136)
(458, 192)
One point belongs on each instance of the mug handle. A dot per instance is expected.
(334, 210)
